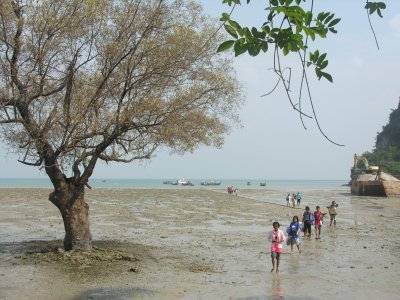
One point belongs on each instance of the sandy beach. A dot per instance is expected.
(197, 244)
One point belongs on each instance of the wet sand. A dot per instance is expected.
(198, 244)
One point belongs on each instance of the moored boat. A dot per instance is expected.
(178, 182)
(185, 182)
(210, 182)
(369, 180)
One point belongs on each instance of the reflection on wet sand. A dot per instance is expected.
(276, 289)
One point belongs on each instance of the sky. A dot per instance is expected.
(272, 144)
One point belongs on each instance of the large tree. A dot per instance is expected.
(89, 80)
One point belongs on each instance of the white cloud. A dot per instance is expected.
(357, 61)
(395, 25)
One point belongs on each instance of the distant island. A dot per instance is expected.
(386, 153)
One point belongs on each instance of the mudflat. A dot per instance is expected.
(197, 244)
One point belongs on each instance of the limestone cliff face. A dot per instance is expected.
(390, 134)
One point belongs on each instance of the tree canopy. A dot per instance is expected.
(110, 80)
(290, 27)
(89, 80)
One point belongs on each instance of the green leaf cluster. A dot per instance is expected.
(320, 63)
(375, 7)
(295, 26)
(230, 2)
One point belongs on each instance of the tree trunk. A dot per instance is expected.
(70, 200)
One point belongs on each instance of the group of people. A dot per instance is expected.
(231, 190)
(277, 236)
(293, 199)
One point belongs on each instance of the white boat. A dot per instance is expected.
(184, 182)
(210, 182)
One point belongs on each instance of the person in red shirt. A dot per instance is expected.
(318, 216)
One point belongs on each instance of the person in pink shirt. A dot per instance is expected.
(276, 237)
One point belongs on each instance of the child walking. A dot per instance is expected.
(294, 234)
(308, 220)
(276, 237)
(318, 216)
(332, 213)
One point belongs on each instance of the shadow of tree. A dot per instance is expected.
(115, 294)
(34, 246)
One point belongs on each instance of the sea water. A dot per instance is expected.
(289, 185)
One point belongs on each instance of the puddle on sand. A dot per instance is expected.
(220, 225)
